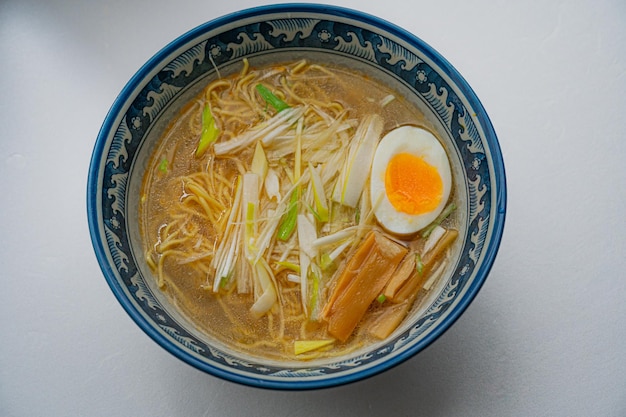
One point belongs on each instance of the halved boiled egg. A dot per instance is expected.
(410, 180)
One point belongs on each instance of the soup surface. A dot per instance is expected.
(298, 211)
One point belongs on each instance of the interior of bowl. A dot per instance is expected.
(277, 34)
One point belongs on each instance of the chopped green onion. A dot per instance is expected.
(250, 219)
(209, 131)
(289, 265)
(163, 165)
(225, 279)
(250, 204)
(419, 265)
(271, 99)
(314, 213)
(318, 195)
(445, 213)
(288, 222)
(381, 298)
(325, 261)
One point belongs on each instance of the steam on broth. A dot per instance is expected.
(285, 210)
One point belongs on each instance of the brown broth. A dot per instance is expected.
(225, 316)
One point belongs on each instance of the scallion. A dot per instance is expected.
(419, 265)
(209, 131)
(163, 165)
(325, 261)
(271, 99)
(445, 213)
(289, 265)
(288, 222)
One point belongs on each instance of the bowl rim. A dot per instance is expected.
(490, 250)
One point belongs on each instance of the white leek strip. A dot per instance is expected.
(364, 205)
(368, 135)
(327, 117)
(268, 131)
(244, 277)
(315, 290)
(433, 277)
(272, 185)
(339, 249)
(293, 278)
(194, 258)
(331, 167)
(366, 219)
(319, 196)
(433, 238)
(323, 134)
(307, 227)
(318, 140)
(232, 217)
(269, 230)
(268, 297)
(249, 212)
(225, 254)
(336, 237)
(356, 169)
(313, 140)
(379, 199)
(387, 99)
(286, 251)
(297, 166)
(248, 228)
(281, 148)
(227, 263)
(306, 235)
(297, 113)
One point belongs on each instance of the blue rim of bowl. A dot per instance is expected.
(490, 251)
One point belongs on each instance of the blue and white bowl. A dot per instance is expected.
(276, 34)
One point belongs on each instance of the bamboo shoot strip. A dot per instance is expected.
(361, 281)
(210, 132)
(400, 277)
(404, 296)
(389, 318)
(410, 286)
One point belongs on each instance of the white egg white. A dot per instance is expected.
(420, 143)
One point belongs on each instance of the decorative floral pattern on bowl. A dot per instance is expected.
(283, 31)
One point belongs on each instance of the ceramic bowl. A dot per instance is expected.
(275, 34)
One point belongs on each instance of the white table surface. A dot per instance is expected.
(546, 336)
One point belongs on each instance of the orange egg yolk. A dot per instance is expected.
(413, 186)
